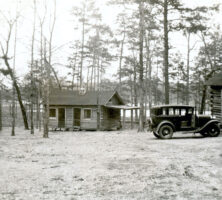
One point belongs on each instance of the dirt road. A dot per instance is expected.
(109, 165)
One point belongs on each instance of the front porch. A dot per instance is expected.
(125, 108)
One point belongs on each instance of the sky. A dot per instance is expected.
(64, 32)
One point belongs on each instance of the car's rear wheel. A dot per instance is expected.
(156, 135)
(165, 132)
(213, 130)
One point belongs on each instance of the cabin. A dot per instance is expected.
(215, 84)
(92, 110)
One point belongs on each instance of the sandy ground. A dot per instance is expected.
(109, 165)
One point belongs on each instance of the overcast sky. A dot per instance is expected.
(64, 32)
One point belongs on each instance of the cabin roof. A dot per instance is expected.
(69, 97)
(215, 81)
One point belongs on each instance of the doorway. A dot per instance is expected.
(61, 117)
(76, 116)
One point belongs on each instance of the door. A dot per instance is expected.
(186, 118)
(61, 117)
(76, 116)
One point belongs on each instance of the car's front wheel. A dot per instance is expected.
(213, 130)
(165, 132)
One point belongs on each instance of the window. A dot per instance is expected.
(171, 111)
(190, 111)
(183, 112)
(177, 111)
(164, 111)
(52, 112)
(87, 113)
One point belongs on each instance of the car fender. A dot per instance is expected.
(163, 123)
(213, 121)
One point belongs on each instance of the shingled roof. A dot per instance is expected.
(69, 97)
(215, 81)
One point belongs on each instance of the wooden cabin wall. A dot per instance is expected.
(216, 107)
(89, 124)
(109, 122)
(110, 118)
(85, 124)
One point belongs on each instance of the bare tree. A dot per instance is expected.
(141, 81)
(0, 108)
(41, 66)
(32, 63)
(122, 22)
(50, 45)
(13, 88)
(9, 71)
(46, 79)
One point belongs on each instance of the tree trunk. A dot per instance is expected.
(156, 83)
(74, 70)
(18, 93)
(135, 91)
(120, 60)
(141, 36)
(148, 71)
(13, 88)
(166, 52)
(82, 50)
(98, 96)
(32, 63)
(203, 100)
(50, 47)
(131, 90)
(91, 84)
(38, 123)
(87, 79)
(41, 71)
(13, 111)
(0, 110)
(146, 75)
(188, 70)
(46, 96)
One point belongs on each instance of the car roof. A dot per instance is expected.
(172, 106)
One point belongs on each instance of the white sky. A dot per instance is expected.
(64, 32)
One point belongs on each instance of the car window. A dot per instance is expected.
(183, 112)
(171, 111)
(190, 111)
(177, 111)
(164, 111)
(158, 112)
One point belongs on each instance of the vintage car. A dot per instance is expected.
(167, 119)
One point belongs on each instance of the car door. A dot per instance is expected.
(185, 118)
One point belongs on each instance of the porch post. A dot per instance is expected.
(124, 116)
(131, 118)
